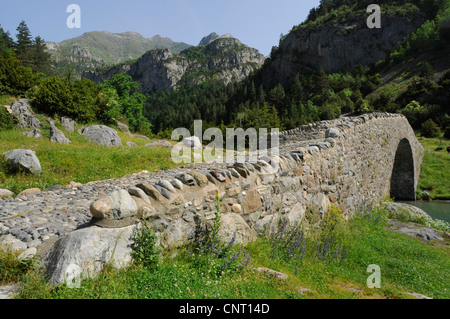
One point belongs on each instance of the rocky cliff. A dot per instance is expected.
(223, 59)
(338, 44)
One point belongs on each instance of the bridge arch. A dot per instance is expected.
(402, 178)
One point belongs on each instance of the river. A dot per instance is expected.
(436, 209)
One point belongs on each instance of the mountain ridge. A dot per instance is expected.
(223, 58)
(101, 49)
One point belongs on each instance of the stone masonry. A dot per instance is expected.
(347, 162)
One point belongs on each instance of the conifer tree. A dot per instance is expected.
(24, 44)
(39, 56)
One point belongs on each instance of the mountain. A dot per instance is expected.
(338, 42)
(103, 49)
(223, 59)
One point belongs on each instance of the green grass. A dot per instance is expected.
(407, 265)
(80, 161)
(435, 173)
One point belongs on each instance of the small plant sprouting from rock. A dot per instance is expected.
(145, 252)
(210, 251)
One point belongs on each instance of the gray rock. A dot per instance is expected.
(413, 229)
(28, 254)
(312, 149)
(8, 292)
(219, 176)
(163, 191)
(272, 273)
(36, 133)
(56, 135)
(131, 144)
(68, 124)
(116, 206)
(234, 173)
(4, 193)
(135, 191)
(21, 109)
(21, 159)
(411, 212)
(101, 135)
(234, 225)
(177, 183)
(123, 127)
(332, 132)
(186, 179)
(89, 249)
(161, 143)
(177, 234)
(166, 184)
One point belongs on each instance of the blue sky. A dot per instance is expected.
(257, 23)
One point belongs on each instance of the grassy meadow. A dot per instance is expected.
(81, 161)
(435, 173)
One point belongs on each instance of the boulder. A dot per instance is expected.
(177, 234)
(117, 209)
(56, 135)
(124, 128)
(409, 211)
(68, 124)
(200, 178)
(137, 192)
(186, 179)
(413, 229)
(21, 159)
(35, 133)
(21, 109)
(29, 192)
(161, 143)
(101, 135)
(5, 193)
(332, 132)
(151, 191)
(90, 250)
(9, 242)
(166, 184)
(233, 224)
(252, 202)
(218, 176)
(177, 184)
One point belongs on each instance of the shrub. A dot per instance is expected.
(15, 79)
(12, 269)
(78, 100)
(208, 250)
(430, 129)
(447, 132)
(7, 121)
(145, 253)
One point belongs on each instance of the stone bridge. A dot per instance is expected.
(348, 162)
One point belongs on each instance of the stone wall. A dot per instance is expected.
(347, 162)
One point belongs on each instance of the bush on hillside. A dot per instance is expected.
(78, 100)
(7, 121)
(15, 79)
(430, 129)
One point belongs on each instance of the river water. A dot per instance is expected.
(436, 209)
